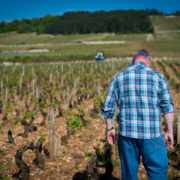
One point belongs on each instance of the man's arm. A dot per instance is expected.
(108, 111)
(111, 135)
(167, 107)
(168, 137)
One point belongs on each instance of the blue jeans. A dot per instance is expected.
(154, 157)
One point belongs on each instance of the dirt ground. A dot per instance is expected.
(71, 159)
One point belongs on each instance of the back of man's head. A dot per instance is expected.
(142, 52)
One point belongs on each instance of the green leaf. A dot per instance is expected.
(21, 150)
(88, 154)
(15, 122)
(1, 167)
(43, 138)
(11, 130)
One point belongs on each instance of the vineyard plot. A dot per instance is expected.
(75, 92)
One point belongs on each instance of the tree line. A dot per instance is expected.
(156, 12)
(27, 25)
(118, 21)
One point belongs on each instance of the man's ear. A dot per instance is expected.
(148, 62)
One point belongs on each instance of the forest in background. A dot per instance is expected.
(99, 22)
(84, 22)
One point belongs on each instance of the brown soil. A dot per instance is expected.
(71, 160)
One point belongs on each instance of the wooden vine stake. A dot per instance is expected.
(6, 93)
(174, 77)
(178, 125)
(74, 85)
(65, 107)
(62, 79)
(20, 83)
(1, 84)
(68, 98)
(62, 67)
(37, 92)
(55, 147)
(6, 78)
(99, 90)
(57, 72)
(51, 133)
(23, 71)
(50, 77)
(33, 85)
(32, 70)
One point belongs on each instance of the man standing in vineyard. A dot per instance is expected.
(141, 93)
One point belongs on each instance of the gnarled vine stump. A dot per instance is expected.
(43, 122)
(1, 107)
(17, 113)
(39, 161)
(11, 139)
(60, 110)
(5, 120)
(24, 171)
(90, 167)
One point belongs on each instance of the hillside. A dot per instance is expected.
(33, 38)
(161, 23)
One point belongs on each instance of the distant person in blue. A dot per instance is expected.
(141, 94)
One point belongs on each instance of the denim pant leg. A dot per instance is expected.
(154, 156)
(130, 157)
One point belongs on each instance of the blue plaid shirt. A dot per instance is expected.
(141, 93)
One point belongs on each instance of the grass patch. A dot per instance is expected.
(88, 52)
(165, 22)
(65, 144)
(3, 152)
(32, 38)
(116, 164)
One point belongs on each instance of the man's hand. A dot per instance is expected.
(168, 138)
(111, 136)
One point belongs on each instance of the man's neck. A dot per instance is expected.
(141, 59)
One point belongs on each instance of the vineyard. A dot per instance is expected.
(56, 53)
(50, 122)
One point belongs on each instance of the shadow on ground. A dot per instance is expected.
(83, 176)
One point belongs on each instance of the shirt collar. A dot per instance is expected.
(138, 63)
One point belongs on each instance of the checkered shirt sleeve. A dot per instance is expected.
(166, 104)
(108, 109)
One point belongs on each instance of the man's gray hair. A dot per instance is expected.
(142, 52)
